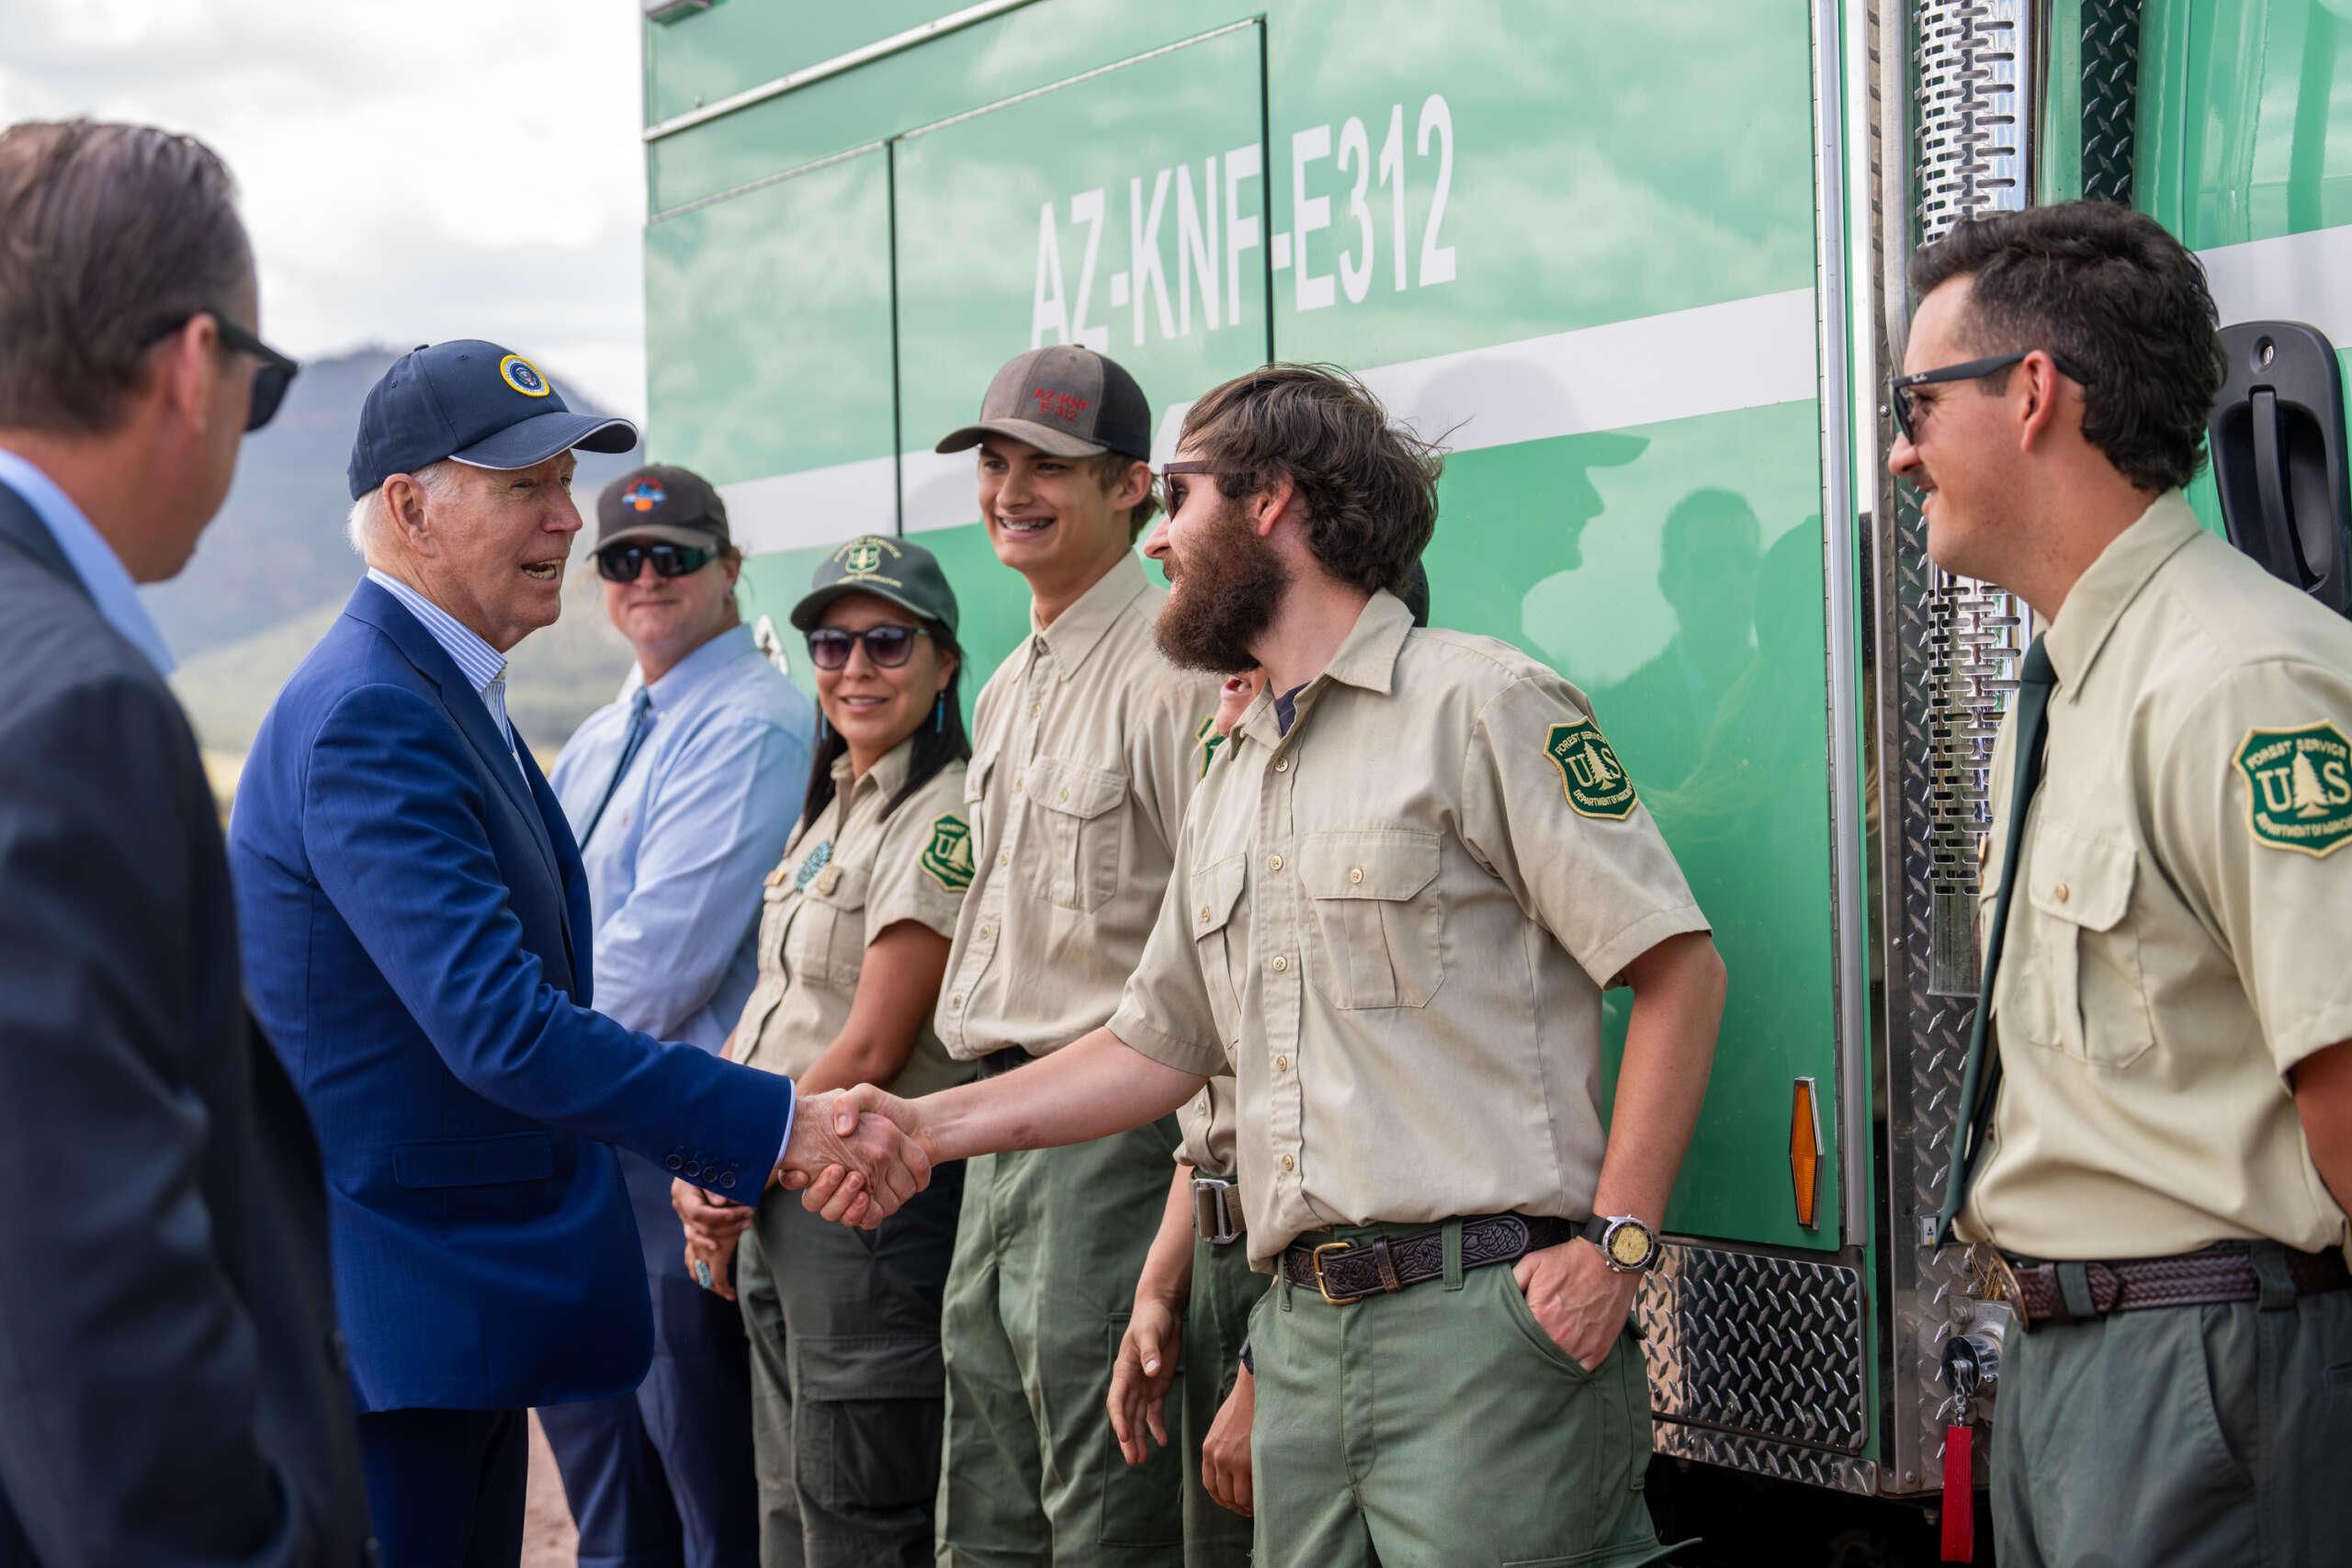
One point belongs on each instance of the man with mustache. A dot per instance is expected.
(1399, 895)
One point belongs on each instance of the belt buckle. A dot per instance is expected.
(1212, 1211)
(1324, 1289)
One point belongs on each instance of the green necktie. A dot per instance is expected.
(1980, 1080)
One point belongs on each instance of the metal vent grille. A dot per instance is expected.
(1972, 111)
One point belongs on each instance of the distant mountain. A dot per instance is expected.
(273, 568)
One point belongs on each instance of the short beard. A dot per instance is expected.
(1224, 597)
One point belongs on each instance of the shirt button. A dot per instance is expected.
(1289, 1163)
(1281, 963)
(1282, 765)
(1004, 857)
(1275, 863)
(1282, 1064)
(987, 931)
(2059, 893)
(1018, 784)
(1204, 914)
(1065, 798)
(957, 1000)
(1356, 873)
(1033, 709)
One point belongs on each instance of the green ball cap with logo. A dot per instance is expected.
(898, 569)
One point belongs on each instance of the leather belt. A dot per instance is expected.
(2073, 1292)
(1343, 1271)
(996, 1064)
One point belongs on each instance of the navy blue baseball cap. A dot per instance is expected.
(477, 404)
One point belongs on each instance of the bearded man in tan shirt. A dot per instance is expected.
(1398, 896)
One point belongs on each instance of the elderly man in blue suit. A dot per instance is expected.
(417, 934)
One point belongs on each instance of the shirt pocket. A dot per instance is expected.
(1217, 894)
(1379, 923)
(1073, 849)
(827, 945)
(2076, 987)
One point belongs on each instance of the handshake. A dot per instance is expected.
(855, 1157)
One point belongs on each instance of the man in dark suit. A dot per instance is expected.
(172, 1384)
(417, 929)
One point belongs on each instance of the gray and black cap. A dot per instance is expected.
(1065, 400)
(898, 569)
(664, 502)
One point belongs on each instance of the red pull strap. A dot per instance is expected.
(1960, 1494)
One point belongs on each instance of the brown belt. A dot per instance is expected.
(1343, 1271)
(2071, 1292)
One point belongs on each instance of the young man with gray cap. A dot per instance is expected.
(416, 920)
(680, 794)
(1086, 749)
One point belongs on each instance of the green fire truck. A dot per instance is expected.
(1644, 262)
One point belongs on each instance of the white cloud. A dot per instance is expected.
(410, 170)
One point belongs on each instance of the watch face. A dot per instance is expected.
(1630, 1244)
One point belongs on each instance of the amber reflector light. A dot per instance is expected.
(1804, 1152)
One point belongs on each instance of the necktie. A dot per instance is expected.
(1979, 1081)
(640, 716)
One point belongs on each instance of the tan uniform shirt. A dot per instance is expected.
(1086, 747)
(844, 879)
(1207, 1121)
(1408, 908)
(2177, 937)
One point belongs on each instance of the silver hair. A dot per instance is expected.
(369, 512)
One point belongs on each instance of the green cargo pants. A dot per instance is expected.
(1047, 1259)
(1441, 1427)
(1216, 1320)
(847, 1384)
(2185, 1435)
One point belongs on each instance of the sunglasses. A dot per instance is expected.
(886, 645)
(277, 372)
(1172, 482)
(1906, 417)
(621, 563)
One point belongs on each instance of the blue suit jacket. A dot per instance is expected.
(417, 939)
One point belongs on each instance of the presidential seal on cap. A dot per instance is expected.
(674, 505)
(898, 569)
(1067, 401)
(473, 403)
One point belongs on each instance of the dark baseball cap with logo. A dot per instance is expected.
(475, 403)
(898, 569)
(674, 505)
(1066, 401)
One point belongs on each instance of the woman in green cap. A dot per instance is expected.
(847, 1384)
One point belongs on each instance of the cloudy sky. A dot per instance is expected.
(410, 170)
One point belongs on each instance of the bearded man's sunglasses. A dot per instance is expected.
(1174, 481)
(1906, 417)
(887, 646)
(277, 372)
(621, 563)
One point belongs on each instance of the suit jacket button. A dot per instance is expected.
(674, 1163)
(694, 1170)
(726, 1181)
(338, 1351)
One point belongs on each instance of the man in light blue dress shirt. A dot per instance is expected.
(681, 794)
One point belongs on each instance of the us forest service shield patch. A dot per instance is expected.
(1590, 774)
(2299, 787)
(1210, 740)
(947, 859)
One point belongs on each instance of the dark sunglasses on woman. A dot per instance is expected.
(621, 563)
(277, 372)
(887, 647)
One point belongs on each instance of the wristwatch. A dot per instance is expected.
(1626, 1245)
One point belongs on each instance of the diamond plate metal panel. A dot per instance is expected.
(1759, 1344)
(1761, 1455)
(2110, 98)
